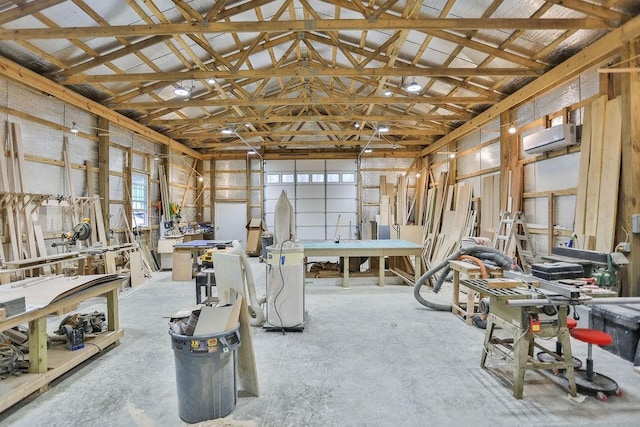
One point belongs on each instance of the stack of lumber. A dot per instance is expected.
(599, 175)
(490, 206)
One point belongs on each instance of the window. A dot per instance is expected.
(333, 177)
(287, 177)
(139, 200)
(348, 177)
(303, 177)
(273, 179)
(317, 177)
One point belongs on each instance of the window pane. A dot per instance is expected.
(287, 177)
(317, 177)
(348, 177)
(333, 177)
(273, 179)
(303, 177)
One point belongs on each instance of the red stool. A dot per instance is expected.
(590, 381)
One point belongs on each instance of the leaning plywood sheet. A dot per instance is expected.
(610, 177)
(598, 111)
(583, 172)
(230, 277)
(40, 293)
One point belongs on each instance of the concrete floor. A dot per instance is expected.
(368, 356)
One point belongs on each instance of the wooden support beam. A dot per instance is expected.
(628, 201)
(103, 173)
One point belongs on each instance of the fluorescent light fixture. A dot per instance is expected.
(368, 150)
(227, 131)
(74, 128)
(383, 128)
(252, 152)
(388, 92)
(413, 87)
(512, 130)
(181, 91)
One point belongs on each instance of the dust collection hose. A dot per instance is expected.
(477, 251)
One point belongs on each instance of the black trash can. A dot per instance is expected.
(206, 374)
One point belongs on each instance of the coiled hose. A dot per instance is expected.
(477, 251)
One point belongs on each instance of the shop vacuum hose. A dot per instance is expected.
(478, 251)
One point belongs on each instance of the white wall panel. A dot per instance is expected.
(310, 191)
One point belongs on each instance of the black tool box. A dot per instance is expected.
(557, 270)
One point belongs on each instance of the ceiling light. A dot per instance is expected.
(512, 130)
(156, 157)
(200, 178)
(211, 80)
(247, 125)
(74, 129)
(383, 128)
(368, 150)
(181, 91)
(227, 131)
(356, 125)
(418, 175)
(252, 152)
(388, 92)
(452, 155)
(413, 87)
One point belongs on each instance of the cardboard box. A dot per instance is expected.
(255, 228)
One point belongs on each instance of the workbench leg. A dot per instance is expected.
(345, 273)
(38, 346)
(487, 340)
(455, 295)
(520, 357)
(565, 339)
(113, 315)
(381, 271)
(418, 267)
(471, 303)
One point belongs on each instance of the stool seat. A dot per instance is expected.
(591, 336)
(571, 323)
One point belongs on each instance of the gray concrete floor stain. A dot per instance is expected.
(368, 356)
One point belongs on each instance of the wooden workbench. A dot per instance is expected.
(471, 271)
(45, 365)
(35, 265)
(365, 248)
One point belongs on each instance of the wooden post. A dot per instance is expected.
(200, 184)
(628, 202)
(103, 172)
(507, 145)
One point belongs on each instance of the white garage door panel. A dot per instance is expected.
(310, 191)
(311, 233)
(279, 166)
(341, 191)
(309, 205)
(341, 205)
(310, 165)
(310, 219)
(273, 191)
(332, 219)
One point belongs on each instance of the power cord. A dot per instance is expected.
(275, 298)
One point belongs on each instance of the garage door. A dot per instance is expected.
(323, 193)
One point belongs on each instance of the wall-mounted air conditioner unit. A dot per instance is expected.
(550, 139)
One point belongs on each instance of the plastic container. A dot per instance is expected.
(622, 322)
(206, 374)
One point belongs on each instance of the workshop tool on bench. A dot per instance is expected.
(80, 232)
(74, 328)
(520, 327)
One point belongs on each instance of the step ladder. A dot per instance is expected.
(514, 229)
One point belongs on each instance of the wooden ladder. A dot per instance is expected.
(515, 229)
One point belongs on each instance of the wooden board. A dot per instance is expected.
(583, 172)
(610, 177)
(182, 266)
(137, 274)
(499, 283)
(598, 111)
(46, 292)
(229, 275)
